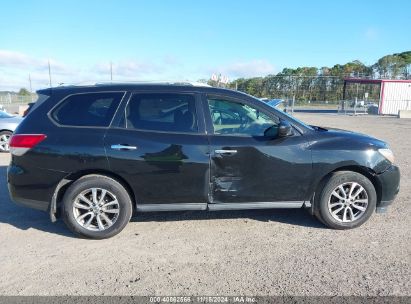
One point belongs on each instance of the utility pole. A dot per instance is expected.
(31, 89)
(289, 94)
(356, 101)
(49, 73)
(111, 70)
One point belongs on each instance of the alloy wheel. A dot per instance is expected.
(96, 209)
(4, 142)
(348, 202)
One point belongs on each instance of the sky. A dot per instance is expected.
(157, 40)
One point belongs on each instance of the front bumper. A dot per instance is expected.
(389, 181)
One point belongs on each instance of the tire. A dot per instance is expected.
(111, 213)
(339, 192)
(4, 138)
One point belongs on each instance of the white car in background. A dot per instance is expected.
(8, 123)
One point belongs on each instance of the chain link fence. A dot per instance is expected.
(314, 93)
(17, 99)
(14, 103)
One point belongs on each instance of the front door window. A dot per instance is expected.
(234, 118)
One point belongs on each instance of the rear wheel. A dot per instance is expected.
(4, 141)
(347, 200)
(97, 207)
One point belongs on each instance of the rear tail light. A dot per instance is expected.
(21, 143)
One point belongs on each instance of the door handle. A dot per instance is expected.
(123, 147)
(225, 151)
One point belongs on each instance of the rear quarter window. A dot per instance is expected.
(88, 110)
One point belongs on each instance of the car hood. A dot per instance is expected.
(10, 123)
(351, 136)
(14, 119)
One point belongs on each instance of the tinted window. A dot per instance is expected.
(162, 112)
(92, 109)
(234, 118)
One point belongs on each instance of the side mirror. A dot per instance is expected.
(284, 129)
(271, 132)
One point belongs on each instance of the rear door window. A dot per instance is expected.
(162, 112)
(89, 110)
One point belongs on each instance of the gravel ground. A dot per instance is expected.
(271, 252)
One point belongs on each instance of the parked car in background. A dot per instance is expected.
(370, 104)
(95, 154)
(358, 103)
(8, 123)
(280, 104)
(373, 109)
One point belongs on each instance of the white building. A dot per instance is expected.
(395, 95)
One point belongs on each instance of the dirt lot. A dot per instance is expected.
(274, 252)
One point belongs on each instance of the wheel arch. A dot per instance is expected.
(367, 172)
(65, 183)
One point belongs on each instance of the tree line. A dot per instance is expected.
(325, 84)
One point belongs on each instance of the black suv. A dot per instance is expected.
(93, 155)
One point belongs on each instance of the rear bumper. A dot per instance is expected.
(390, 186)
(24, 202)
(33, 187)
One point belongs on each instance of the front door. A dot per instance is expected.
(246, 166)
(160, 148)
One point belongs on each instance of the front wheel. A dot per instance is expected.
(96, 207)
(347, 200)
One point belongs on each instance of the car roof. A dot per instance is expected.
(126, 85)
(130, 86)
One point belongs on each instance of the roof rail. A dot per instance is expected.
(183, 83)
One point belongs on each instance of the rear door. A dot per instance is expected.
(75, 131)
(159, 146)
(246, 166)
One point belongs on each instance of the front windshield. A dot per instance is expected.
(5, 115)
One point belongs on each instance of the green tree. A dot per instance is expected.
(325, 83)
(393, 66)
(24, 92)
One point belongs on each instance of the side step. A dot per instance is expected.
(257, 205)
(170, 207)
(218, 206)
